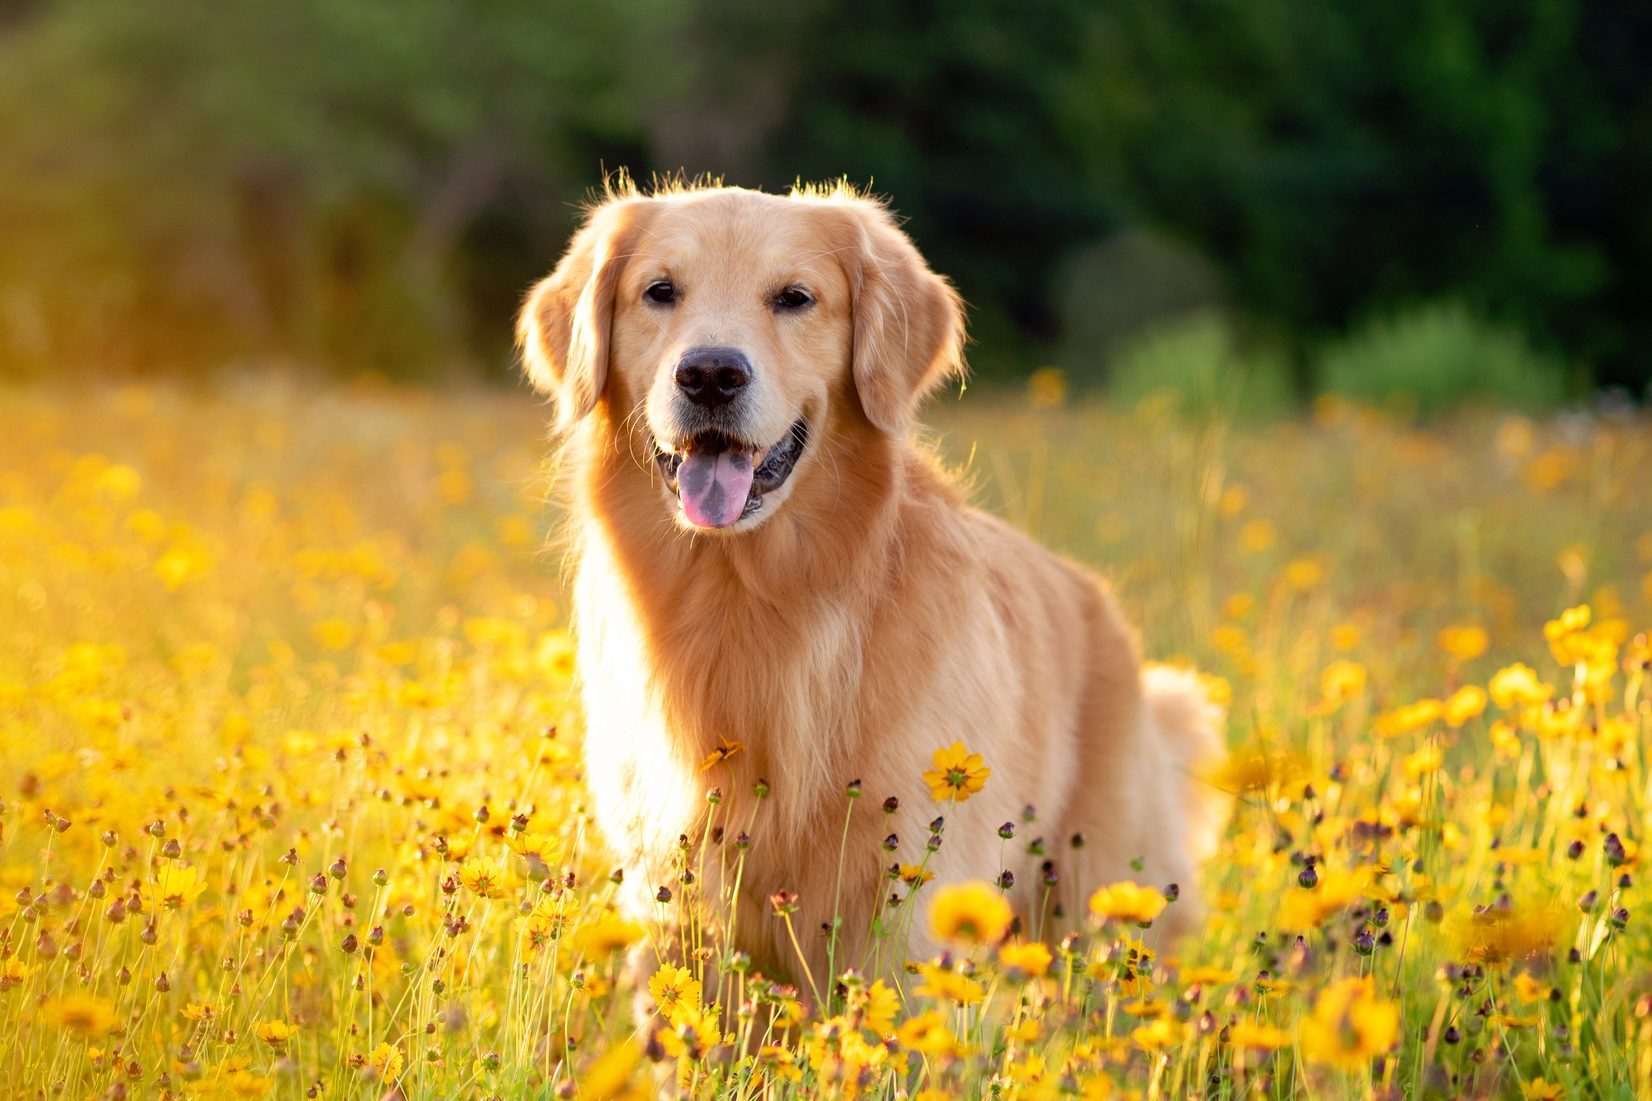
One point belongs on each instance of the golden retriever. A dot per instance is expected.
(770, 575)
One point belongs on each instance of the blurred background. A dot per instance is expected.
(1445, 198)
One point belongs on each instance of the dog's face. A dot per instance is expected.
(729, 333)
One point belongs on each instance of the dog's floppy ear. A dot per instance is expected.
(908, 321)
(563, 329)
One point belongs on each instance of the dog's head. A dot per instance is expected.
(729, 330)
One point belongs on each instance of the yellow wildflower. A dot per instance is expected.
(970, 913)
(1127, 901)
(1464, 643)
(725, 749)
(957, 774)
(274, 1033)
(612, 1072)
(1337, 890)
(927, 1033)
(607, 934)
(1247, 1035)
(1408, 719)
(1424, 761)
(914, 875)
(1031, 958)
(199, 1011)
(882, 1006)
(174, 887)
(1468, 702)
(1156, 1035)
(1517, 686)
(1350, 1025)
(548, 921)
(482, 878)
(945, 984)
(694, 1031)
(1506, 932)
(1255, 769)
(543, 847)
(84, 1015)
(1340, 682)
(674, 989)
(386, 1062)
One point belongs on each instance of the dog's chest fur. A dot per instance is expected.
(818, 693)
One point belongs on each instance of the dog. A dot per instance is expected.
(779, 595)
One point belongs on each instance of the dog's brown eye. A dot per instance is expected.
(662, 292)
(792, 298)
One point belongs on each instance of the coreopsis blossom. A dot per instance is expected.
(607, 934)
(926, 1033)
(174, 887)
(1335, 891)
(694, 1031)
(970, 913)
(1468, 702)
(1157, 1035)
(275, 1033)
(483, 878)
(780, 1062)
(1518, 685)
(947, 984)
(543, 847)
(386, 1062)
(880, 1008)
(725, 749)
(1408, 719)
(1129, 902)
(1564, 627)
(548, 921)
(611, 1073)
(1256, 769)
(1340, 682)
(674, 989)
(1030, 958)
(1350, 1025)
(86, 1016)
(957, 774)
(1463, 643)
(1507, 931)
(840, 1052)
(913, 875)
(1248, 1035)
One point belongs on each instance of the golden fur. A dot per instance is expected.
(864, 620)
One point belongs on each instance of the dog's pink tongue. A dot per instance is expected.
(714, 486)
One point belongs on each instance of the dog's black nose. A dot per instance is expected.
(713, 376)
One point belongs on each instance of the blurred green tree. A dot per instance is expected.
(366, 183)
(1338, 159)
(185, 184)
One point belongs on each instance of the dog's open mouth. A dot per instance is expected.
(720, 479)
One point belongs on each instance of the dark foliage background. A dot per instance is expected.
(371, 184)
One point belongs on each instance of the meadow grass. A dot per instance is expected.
(290, 800)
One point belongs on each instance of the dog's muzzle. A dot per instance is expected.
(720, 479)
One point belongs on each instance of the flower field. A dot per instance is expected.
(290, 798)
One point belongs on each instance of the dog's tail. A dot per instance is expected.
(1190, 725)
